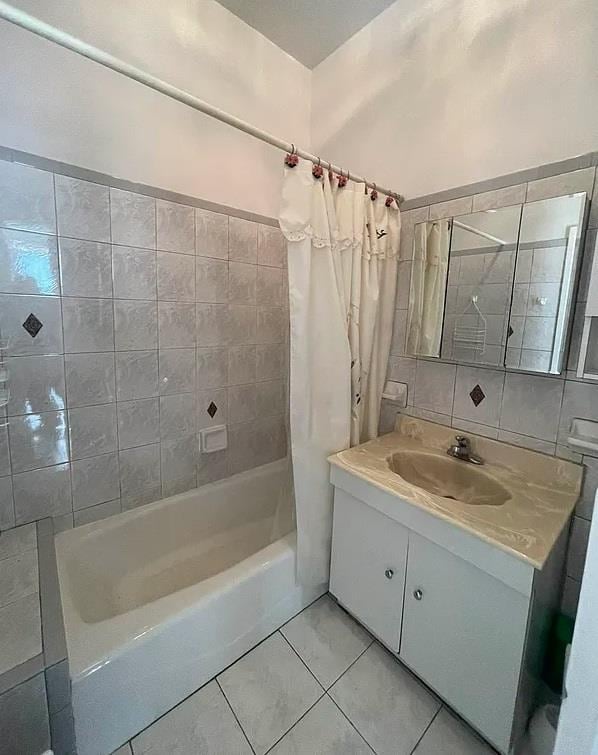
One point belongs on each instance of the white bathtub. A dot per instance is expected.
(158, 600)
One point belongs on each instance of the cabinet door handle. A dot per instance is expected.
(389, 574)
(418, 594)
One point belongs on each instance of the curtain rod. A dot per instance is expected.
(31, 23)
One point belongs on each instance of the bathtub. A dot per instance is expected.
(158, 600)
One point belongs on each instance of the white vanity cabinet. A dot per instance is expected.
(467, 618)
(369, 557)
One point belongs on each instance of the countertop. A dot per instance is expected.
(544, 489)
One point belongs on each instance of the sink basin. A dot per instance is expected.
(449, 478)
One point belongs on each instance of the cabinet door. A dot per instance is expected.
(367, 574)
(464, 633)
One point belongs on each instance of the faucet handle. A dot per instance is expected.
(462, 441)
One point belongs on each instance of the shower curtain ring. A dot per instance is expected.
(374, 194)
(317, 171)
(292, 160)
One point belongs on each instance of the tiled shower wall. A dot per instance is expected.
(533, 411)
(133, 323)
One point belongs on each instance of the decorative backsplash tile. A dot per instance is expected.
(477, 395)
(127, 333)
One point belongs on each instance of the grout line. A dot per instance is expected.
(232, 710)
(323, 695)
(425, 731)
(350, 722)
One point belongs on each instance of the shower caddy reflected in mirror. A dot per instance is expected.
(496, 287)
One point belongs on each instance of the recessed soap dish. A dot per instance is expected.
(584, 435)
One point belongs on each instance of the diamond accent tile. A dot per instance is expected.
(477, 395)
(212, 409)
(32, 325)
(510, 332)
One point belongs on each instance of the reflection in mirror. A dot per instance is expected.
(480, 278)
(428, 288)
(547, 260)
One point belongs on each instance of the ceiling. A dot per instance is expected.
(309, 30)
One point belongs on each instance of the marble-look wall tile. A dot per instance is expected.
(41, 493)
(271, 322)
(179, 465)
(565, 183)
(585, 506)
(27, 198)
(271, 246)
(133, 218)
(399, 333)
(493, 200)
(177, 370)
(139, 475)
(579, 400)
(578, 546)
(19, 577)
(17, 309)
(38, 440)
(136, 374)
(176, 277)
(134, 272)
(402, 369)
(176, 325)
(211, 280)
(270, 398)
(242, 283)
(95, 480)
(242, 240)
(7, 509)
(242, 364)
(460, 206)
(271, 361)
(29, 263)
(529, 403)
(97, 512)
(269, 286)
(83, 209)
(138, 423)
(4, 452)
(434, 386)
(491, 382)
(135, 325)
(177, 416)
(175, 227)
(90, 379)
(211, 234)
(526, 441)
(241, 403)
(36, 384)
(92, 430)
(212, 368)
(242, 325)
(85, 268)
(211, 327)
(218, 415)
(88, 325)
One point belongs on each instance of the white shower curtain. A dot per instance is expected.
(342, 250)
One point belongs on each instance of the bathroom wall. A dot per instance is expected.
(532, 411)
(133, 322)
(438, 93)
(61, 106)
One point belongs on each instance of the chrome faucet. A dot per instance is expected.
(462, 450)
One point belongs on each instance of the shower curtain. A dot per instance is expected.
(428, 284)
(342, 264)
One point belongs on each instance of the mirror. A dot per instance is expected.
(545, 274)
(497, 287)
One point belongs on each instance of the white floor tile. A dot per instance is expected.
(203, 723)
(327, 639)
(20, 632)
(323, 730)
(449, 736)
(124, 750)
(269, 689)
(385, 703)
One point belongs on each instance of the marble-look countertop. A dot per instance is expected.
(543, 489)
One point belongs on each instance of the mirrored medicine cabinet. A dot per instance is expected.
(497, 287)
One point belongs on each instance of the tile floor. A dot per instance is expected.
(319, 685)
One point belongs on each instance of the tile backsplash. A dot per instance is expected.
(133, 322)
(533, 411)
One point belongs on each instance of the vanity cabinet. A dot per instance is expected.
(369, 557)
(463, 634)
(443, 608)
